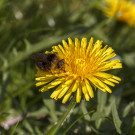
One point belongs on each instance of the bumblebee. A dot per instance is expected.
(48, 61)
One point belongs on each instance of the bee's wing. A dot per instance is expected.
(39, 57)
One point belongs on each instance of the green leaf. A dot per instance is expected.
(132, 130)
(115, 96)
(128, 108)
(50, 104)
(84, 110)
(28, 126)
(42, 111)
(97, 116)
(102, 98)
(116, 119)
(129, 59)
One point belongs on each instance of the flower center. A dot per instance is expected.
(80, 62)
(79, 67)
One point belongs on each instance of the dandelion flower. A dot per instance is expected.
(123, 10)
(85, 64)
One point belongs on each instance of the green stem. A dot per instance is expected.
(56, 127)
(77, 121)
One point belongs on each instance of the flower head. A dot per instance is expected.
(123, 10)
(83, 68)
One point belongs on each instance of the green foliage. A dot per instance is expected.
(14, 128)
(32, 26)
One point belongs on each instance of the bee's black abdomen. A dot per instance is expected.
(47, 61)
(51, 57)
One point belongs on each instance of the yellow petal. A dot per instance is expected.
(108, 65)
(113, 80)
(75, 86)
(78, 95)
(41, 83)
(71, 44)
(109, 82)
(97, 46)
(65, 89)
(44, 78)
(62, 50)
(77, 47)
(56, 92)
(89, 88)
(98, 82)
(57, 81)
(117, 65)
(101, 85)
(58, 50)
(68, 81)
(107, 57)
(87, 97)
(84, 89)
(83, 46)
(116, 78)
(52, 84)
(89, 46)
(65, 45)
(103, 75)
(67, 95)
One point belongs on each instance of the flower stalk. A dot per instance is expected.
(54, 129)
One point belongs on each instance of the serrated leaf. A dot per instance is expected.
(115, 96)
(40, 112)
(29, 127)
(102, 97)
(116, 119)
(128, 108)
(50, 104)
(97, 116)
(85, 111)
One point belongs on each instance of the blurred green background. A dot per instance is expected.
(30, 26)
